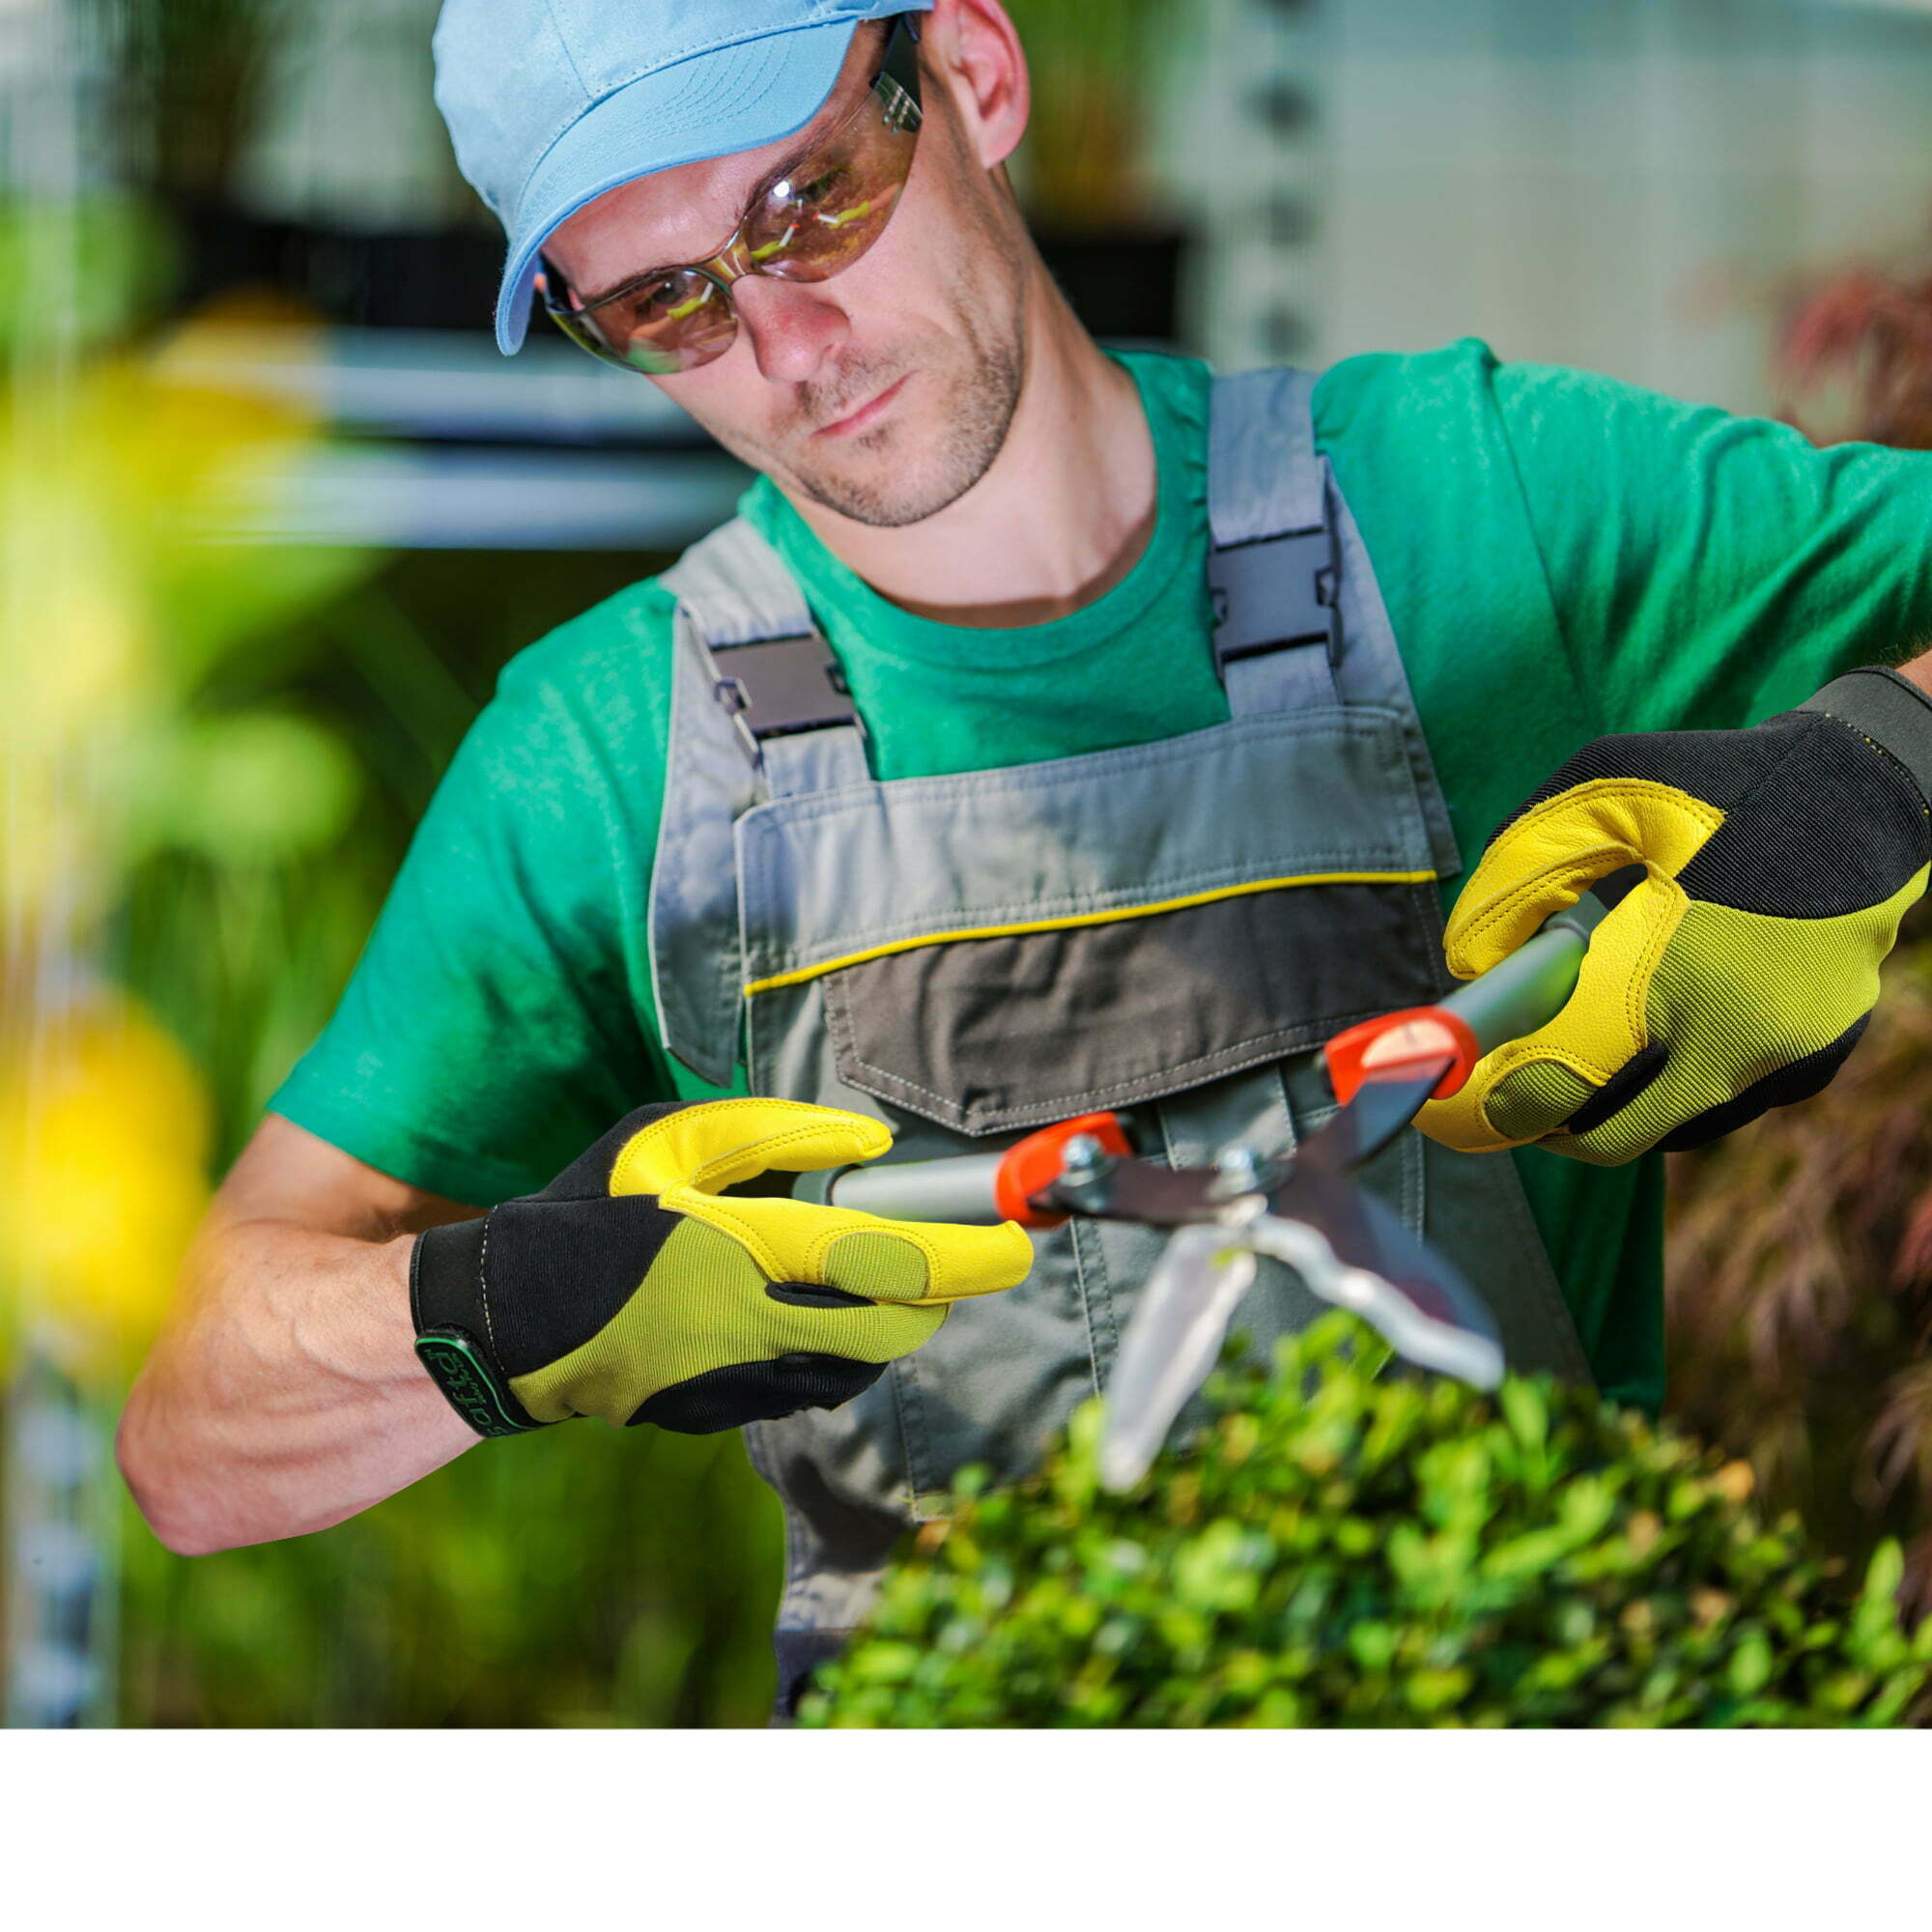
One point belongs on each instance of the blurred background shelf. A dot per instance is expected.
(442, 443)
(435, 385)
(449, 498)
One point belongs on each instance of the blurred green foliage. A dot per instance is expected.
(310, 746)
(1082, 167)
(114, 253)
(578, 1577)
(1343, 1550)
(229, 745)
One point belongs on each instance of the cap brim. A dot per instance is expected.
(716, 104)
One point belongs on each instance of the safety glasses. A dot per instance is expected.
(832, 203)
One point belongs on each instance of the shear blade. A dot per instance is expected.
(1416, 1297)
(1170, 1345)
(1387, 1100)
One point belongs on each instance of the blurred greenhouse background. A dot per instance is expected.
(276, 514)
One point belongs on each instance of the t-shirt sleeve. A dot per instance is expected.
(1709, 570)
(500, 1018)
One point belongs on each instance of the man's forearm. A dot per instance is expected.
(285, 1394)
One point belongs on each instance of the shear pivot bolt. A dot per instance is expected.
(1083, 1160)
(1237, 1172)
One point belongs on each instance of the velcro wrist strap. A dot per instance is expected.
(452, 1331)
(1890, 710)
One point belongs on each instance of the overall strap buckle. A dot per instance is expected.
(780, 687)
(1272, 592)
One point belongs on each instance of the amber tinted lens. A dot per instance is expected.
(832, 206)
(574, 326)
(674, 322)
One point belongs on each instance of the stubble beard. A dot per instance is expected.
(977, 406)
(899, 481)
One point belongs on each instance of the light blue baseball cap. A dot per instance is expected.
(552, 103)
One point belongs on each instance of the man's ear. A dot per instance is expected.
(972, 48)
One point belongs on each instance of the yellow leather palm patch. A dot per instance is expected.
(1549, 858)
(725, 1142)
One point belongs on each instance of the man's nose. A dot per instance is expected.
(793, 326)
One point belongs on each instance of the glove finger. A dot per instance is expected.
(920, 1265)
(1742, 999)
(720, 1143)
(1600, 1128)
(1546, 1105)
(909, 1263)
(1548, 858)
(828, 1356)
(802, 1317)
(863, 1330)
(704, 1303)
(745, 1392)
(1801, 1080)
(1537, 1099)
(1512, 1110)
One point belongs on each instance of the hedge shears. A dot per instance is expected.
(1302, 1207)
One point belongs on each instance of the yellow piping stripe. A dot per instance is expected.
(800, 974)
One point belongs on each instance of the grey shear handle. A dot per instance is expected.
(958, 1188)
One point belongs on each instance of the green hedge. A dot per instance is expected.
(1343, 1549)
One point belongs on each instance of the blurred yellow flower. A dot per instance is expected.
(120, 601)
(88, 656)
(103, 1133)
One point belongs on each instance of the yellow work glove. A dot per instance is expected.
(1736, 977)
(633, 1290)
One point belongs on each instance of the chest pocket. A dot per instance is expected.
(997, 951)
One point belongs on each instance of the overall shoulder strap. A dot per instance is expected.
(1299, 619)
(758, 709)
(774, 673)
(1271, 556)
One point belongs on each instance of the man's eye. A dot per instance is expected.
(668, 298)
(820, 189)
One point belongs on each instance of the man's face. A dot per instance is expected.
(884, 393)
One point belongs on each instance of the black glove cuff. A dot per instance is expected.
(452, 1333)
(1890, 710)
(446, 1276)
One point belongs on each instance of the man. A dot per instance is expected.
(1054, 729)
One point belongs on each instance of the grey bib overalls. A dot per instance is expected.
(1168, 929)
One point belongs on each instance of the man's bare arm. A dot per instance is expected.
(284, 1392)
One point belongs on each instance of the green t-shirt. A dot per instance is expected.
(1561, 557)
